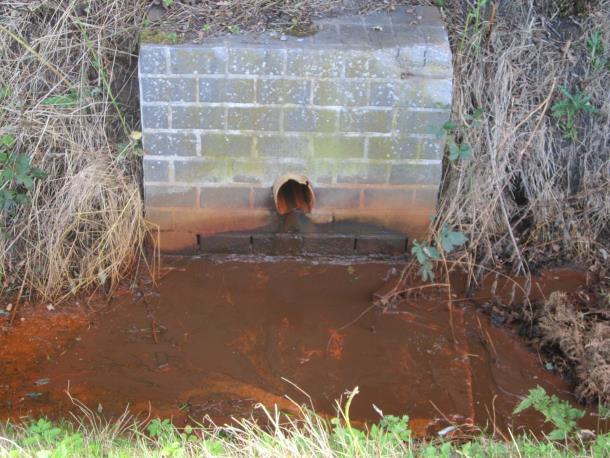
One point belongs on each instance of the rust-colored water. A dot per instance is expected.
(216, 338)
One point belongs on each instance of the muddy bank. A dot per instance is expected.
(216, 338)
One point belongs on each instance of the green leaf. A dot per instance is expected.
(7, 140)
(66, 100)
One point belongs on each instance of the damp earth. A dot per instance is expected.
(214, 339)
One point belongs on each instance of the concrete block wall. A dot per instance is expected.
(354, 107)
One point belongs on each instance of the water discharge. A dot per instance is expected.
(215, 338)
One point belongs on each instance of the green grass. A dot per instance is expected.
(309, 435)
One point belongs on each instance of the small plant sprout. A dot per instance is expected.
(597, 50)
(235, 29)
(168, 3)
(560, 413)
(207, 28)
(567, 109)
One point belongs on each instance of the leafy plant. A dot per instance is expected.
(459, 150)
(446, 240)
(560, 413)
(566, 110)
(17, 175)
(597, 50)
(168, 3)
(158, 428)
(42, 432)
(234, 29)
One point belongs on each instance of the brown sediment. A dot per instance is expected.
(218, 338)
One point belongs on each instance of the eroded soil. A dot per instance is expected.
(216, 338)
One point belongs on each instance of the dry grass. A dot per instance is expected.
(529, 196)
(84, 226)
(584, 338)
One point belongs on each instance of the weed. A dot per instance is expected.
(446, 241)
(17, 176)
(567, 109)
(597, 50)
(560, 413)
(69, 99)
(207, 28)
(235, 29)
(168, 3)
(459, 150)
(160, 428)
(42, 432)
(474, 17)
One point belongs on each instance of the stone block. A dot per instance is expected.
(198, 60)
(155, 170)
(414, 92)
(198, 117)
(221, 145)
(254, 118)
(354, 36)
(383, 63)
(329, 244)
(356, 64)
(337, 198)
(237, 243)
(388, 198)
(365, 120)
(416, 173)
(225, 198)
(263, 198)
(283, 146)
(301, 119)
(162, 218)
(178, 144)
(396, 148)
(420, 122)
(287, 244)
(327, 35)
(308, 62)
(338, 147)
(170, 196)
(155, 117)
(282, 91)
(340, 93)
(168, 89)
(152, 59)
(381, 244)
(256, 61)
(362, 172)
(200, 171)
(232, 90)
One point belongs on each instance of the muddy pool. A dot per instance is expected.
(216, 337)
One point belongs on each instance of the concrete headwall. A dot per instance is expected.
(354, 107)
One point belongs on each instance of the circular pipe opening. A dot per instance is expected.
(293, 192)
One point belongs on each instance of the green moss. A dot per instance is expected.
(156, 36)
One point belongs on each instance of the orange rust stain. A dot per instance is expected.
(406, 360)
(335, 344)
(419, 426)
(309, 354)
